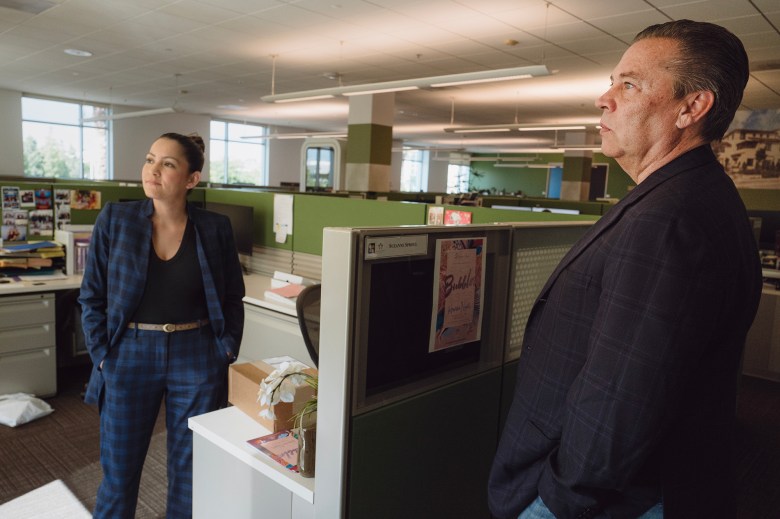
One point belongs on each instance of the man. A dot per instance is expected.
(626, 389)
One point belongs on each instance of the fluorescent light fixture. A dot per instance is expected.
(129, 115)
(381, 91)
(521, 128)
(307, 98)
(487, 128)
(574, 147)
(512, 165)
(297, 135)
(473, 81)
(491, 129)
(482, 76)
(78, 53)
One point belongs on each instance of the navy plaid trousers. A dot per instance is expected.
(188, 372)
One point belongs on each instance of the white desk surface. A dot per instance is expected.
(230, 428)
(40, 285)
(256, 285)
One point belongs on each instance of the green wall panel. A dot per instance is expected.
(761, 199)
(313, 213)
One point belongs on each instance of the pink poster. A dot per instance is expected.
(458, 294)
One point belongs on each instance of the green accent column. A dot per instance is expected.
(369, 142)
(577, 164)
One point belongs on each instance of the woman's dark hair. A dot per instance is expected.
(710, 59)
(193, 147)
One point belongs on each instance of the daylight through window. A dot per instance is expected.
(57, 144)
(234, 156)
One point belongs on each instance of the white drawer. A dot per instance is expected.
(26, 309)
(271, 334)
(29, 337)
(32, 371)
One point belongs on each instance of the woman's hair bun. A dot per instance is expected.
(197, 139)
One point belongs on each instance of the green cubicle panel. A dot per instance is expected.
(109, 192)
(313, 213)
(263, 204)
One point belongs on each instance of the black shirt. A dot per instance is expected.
(174, 288)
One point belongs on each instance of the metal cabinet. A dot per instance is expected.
(28, 360)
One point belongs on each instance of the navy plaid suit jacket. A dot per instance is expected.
(115, 275)
(626, 386)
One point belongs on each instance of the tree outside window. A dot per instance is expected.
(236, 156)
(458, 178)
(58, 143)
(414, 170)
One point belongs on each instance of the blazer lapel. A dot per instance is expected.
(691, 159)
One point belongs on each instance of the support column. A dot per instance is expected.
(370, 142)
(576, 168)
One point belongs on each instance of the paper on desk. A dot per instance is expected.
(43, 277)
(283, 217)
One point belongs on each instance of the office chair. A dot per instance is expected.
(307, 305)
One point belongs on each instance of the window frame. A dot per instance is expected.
(424, 164)
(98, 108)
(263, 130)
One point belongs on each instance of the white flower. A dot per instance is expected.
(279, 386)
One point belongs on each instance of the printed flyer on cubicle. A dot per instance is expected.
(458, 295)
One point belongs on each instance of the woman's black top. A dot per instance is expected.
(174, 288)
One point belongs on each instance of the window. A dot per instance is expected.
(59, 144)
(414, 171)
(320, 161)
(458, 178)
(233, 157)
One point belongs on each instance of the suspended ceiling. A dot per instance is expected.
(219, 57)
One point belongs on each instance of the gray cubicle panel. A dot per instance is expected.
(405, 429)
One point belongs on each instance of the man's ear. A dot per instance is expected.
(694, 107)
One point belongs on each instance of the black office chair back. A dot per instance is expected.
(307, 305)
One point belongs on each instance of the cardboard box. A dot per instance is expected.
(243, 384)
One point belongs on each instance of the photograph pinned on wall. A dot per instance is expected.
(62, 207)
(43, 198)
(14, 225)
(749, 152)
(62, 213)
(41, 222)
(27, 198)
(84, 199)
(436, 215)
(11, 197)
(453, 217)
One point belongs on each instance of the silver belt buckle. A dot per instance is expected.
(168, 328)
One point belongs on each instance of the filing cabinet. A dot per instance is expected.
(28, 360)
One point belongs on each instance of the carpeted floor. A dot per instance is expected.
(64, 445)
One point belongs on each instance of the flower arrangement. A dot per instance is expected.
(280, 386)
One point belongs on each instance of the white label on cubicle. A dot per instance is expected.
(395, 246)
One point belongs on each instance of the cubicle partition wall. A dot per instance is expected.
(420, 335)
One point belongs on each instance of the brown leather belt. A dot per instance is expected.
(168, 328)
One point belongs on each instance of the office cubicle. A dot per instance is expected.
(411, 407)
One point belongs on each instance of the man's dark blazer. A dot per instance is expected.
(115, 276)
(626, 385)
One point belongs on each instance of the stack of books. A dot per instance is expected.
(31, 258)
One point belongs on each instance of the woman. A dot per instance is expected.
(163, 317)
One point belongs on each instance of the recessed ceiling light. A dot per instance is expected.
(78, 52)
